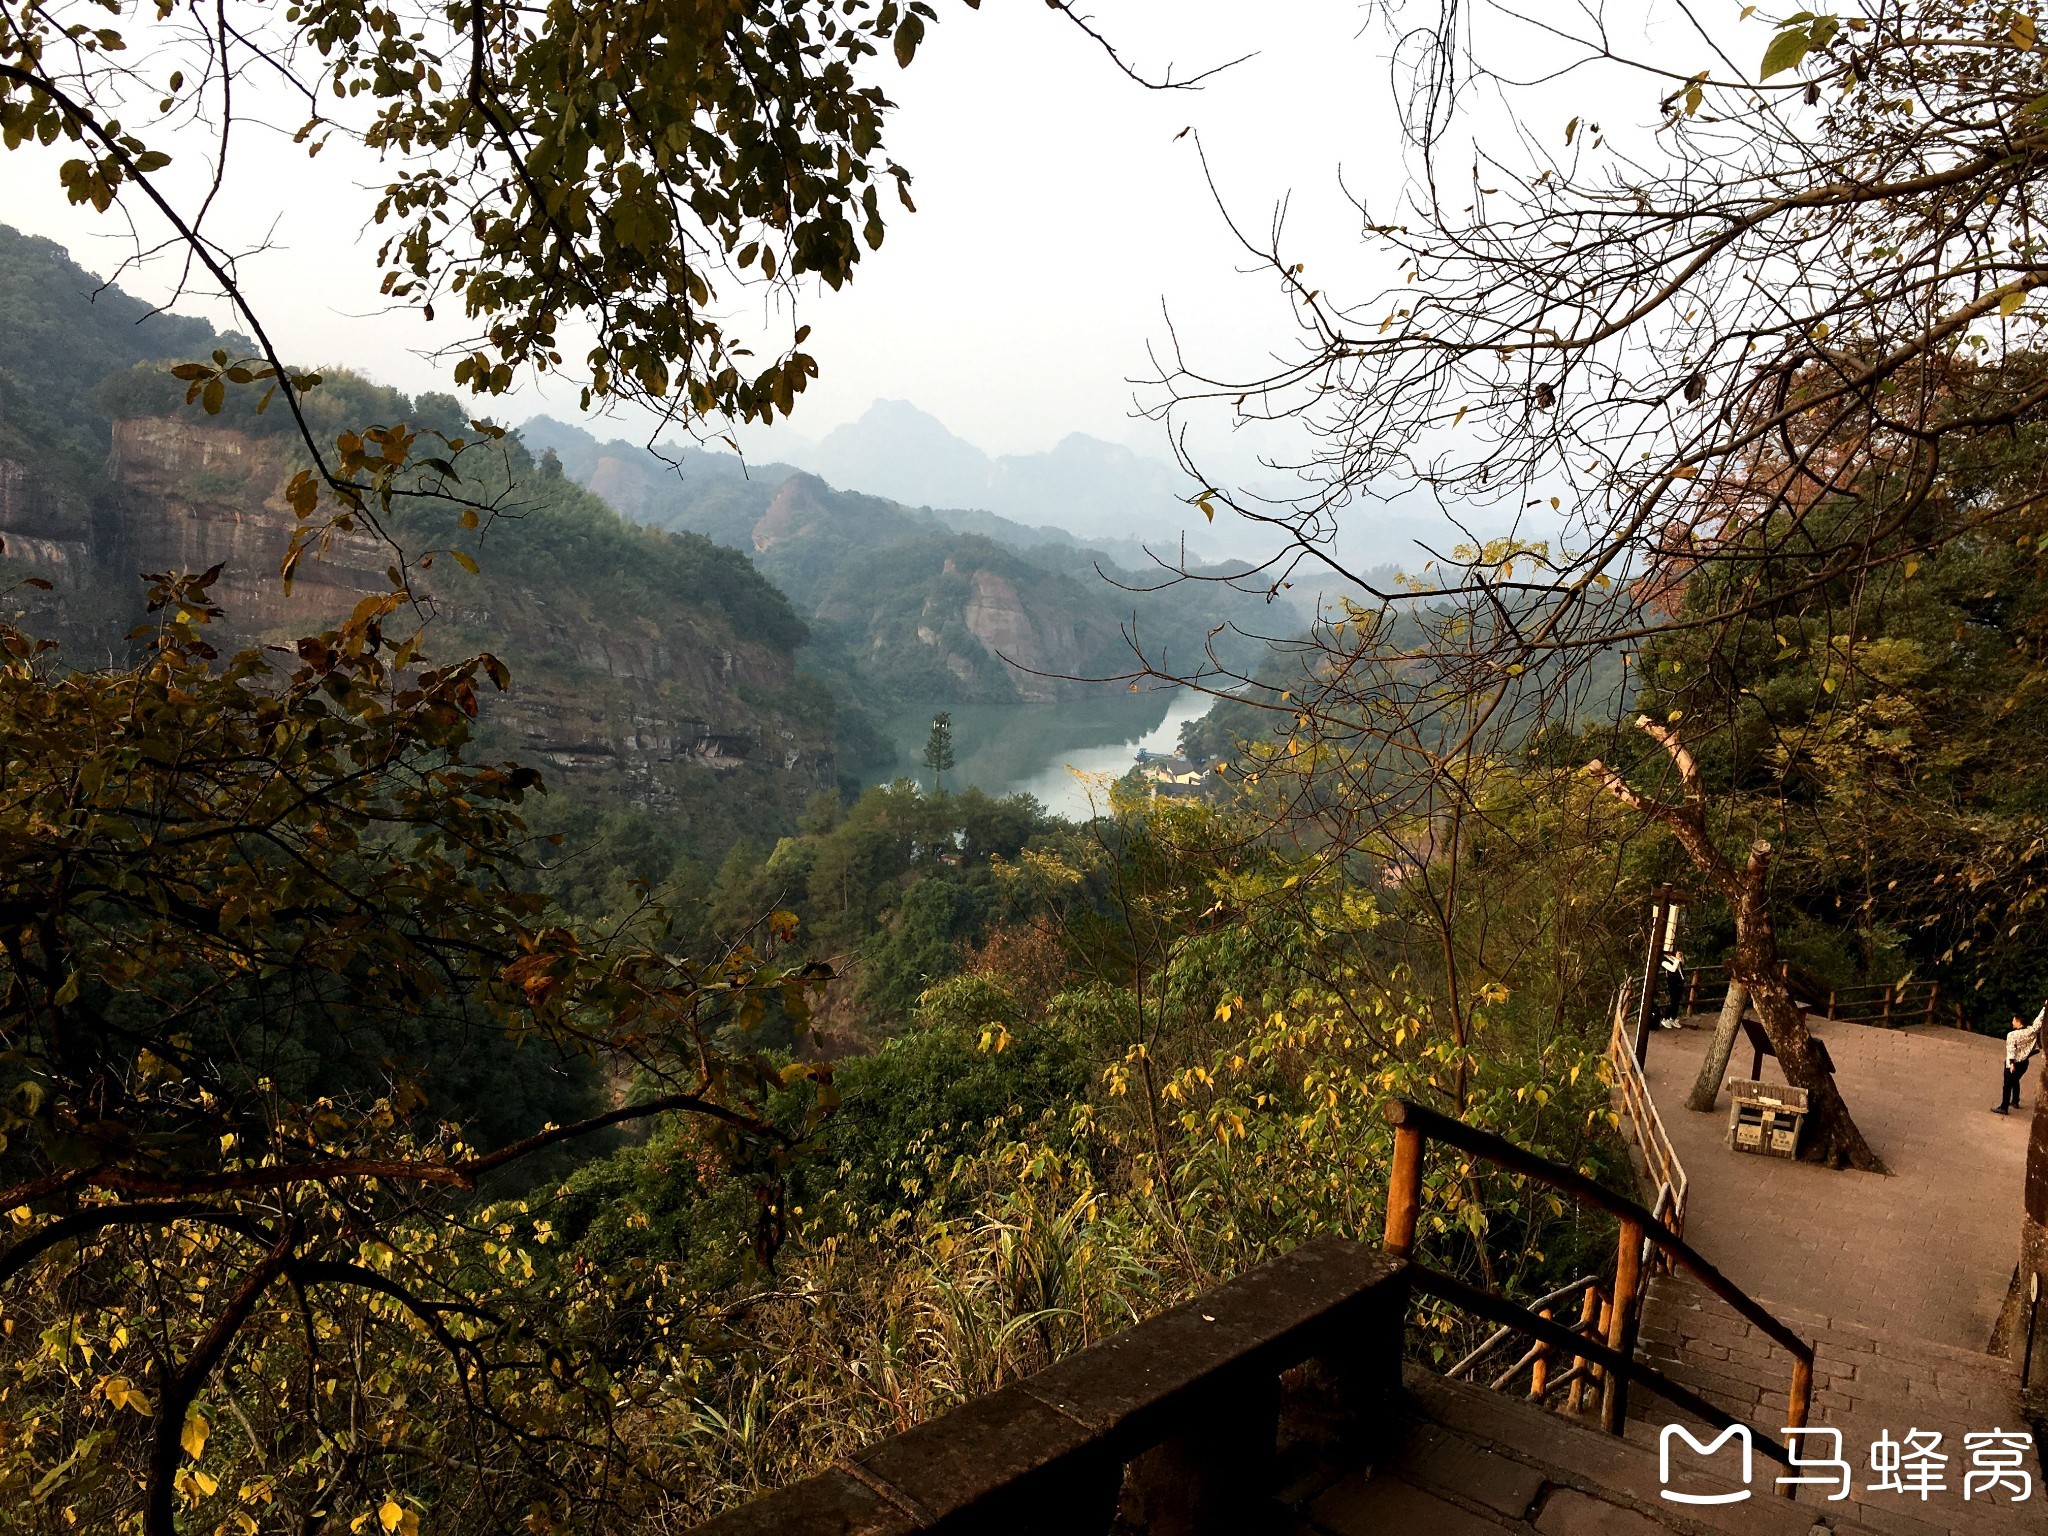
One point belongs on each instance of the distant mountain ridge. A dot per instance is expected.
(1098, 491)
(643, 484)
(1103, 494)
(915, 603)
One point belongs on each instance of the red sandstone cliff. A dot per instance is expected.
(638, 694)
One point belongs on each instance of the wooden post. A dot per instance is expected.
(1404, 1192)
(1589, 1312)
(1621, 1324)
(1797, 1405)
(1597, 1371)
(1933, 992)
(1646, 1015)
(1887, 1014)
(1539, 1370)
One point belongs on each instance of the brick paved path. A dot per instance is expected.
(1925, 1253)
(1463, 1461)
(1866, 1383)
(1896, 1278)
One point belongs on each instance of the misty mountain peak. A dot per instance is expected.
(897, 450)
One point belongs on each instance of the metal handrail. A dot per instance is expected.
(1641, 1232)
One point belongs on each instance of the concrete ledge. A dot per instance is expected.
(1050, 1453)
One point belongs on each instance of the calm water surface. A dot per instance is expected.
(1050, 751)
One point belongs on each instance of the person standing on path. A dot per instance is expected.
(1673, 966)
(2022, 1044)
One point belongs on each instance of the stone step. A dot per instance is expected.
(1865, 1384)
(1469, 1462)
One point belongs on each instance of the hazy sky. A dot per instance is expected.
(1058, 212)
(1063, 215)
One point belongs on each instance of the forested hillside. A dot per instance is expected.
(473, 1058)
(934, 604)
(633, 1005)
(652, 673)
(61, 332)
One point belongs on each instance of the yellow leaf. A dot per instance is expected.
(122, 1393)
(464, 561)
(390, 1513)
(2022, 33)
(193, 1437)
(1686, 472)
(2011, 302)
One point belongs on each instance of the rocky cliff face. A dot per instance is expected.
(952, 616)
(1046, 648)
(191, 497)
(647, 692)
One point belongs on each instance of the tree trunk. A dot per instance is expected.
(1706, 1092)
(1831, 1134)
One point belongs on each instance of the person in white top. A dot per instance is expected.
(2022, 1045)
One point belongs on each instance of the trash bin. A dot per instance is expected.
(1765, 1118)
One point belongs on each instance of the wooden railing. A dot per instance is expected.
(1663, 1172)
(1593, 1305)
(1611, 1356)
(1888, 1005)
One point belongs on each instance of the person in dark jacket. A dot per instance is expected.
(1673, 967)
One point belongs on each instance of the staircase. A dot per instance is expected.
(1465, 1461)
(1276, 1404)
(1864, 1383)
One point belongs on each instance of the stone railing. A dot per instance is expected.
(1188, 1423)
(1178, 1425)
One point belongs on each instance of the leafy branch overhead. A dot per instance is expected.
(617, 176)
(622, 170)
